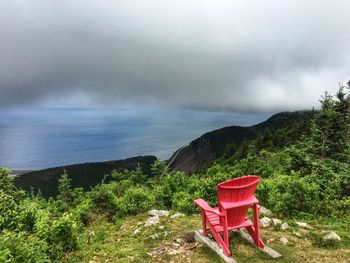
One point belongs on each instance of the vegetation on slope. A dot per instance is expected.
(85, 175)
(213, 145)
(306, 178)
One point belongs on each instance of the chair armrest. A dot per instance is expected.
(204, 205)
(229, 205)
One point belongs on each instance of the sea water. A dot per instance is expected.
(39, 138)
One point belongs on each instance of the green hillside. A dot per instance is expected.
(84, 175)
(226, 141)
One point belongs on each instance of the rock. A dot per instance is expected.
(284, 240)
(161, 227)
(136, 231)
(265, 221)
(332, 236)
(284, 226)
(270, 240)
(179, 240)
(154, 220)
(154, 236)
(276, 221)
(264, 211)
(173, 252)
(90, 237)
(160, 213)
(298, 234)
(304, 225)
(177, 215)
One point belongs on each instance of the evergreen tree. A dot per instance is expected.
(330, 127)
(159, 170)
(65, 189)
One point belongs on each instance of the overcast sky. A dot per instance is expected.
(235, 55)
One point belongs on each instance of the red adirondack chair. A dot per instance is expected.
(234, 199)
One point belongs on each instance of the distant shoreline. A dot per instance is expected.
(19, 172)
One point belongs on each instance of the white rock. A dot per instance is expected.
(298, 234)
(177, 215)
(154, 236)
(264, 211)
(161, 227)
(154, 220)
(332, 236)
(173, 252)
(270, 240)
(159, 213)
(276, 221)
(284, 226)
(136, 231)
(265, 221)
(302, 224)
(284, 240)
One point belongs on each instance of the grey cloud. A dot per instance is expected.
(232, 55)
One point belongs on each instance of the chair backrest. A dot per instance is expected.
(235, 190)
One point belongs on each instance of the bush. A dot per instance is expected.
(208, 182)
(135, 176)
(5, 255)
(61, 234)
(28, 215)
(103, 199)
(83, 212)
(160, 197)
(20, 247)
(183, 202)
(290, 195)
(9, 210)
(170, 184)
(136, 199)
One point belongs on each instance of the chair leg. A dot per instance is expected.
(226, 237)
(204, 224)
(255, 231)
(219, 240)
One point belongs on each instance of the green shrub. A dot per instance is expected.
(170, 184)
(61, 234)
(28, 215)
(135, 176)
(20, 247)
(9, 210)
(84, 212)
(290, 195)
(5, 255)
(136, 199)
(160, 197)
(208, 182)
(183, 202)
(103, 199)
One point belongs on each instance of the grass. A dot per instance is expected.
(116, 242)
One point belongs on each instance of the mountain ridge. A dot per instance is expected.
(212, 145)
(85, 175)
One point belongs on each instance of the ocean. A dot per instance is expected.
(38, 138)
